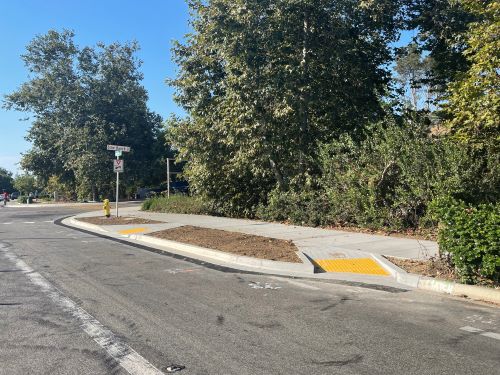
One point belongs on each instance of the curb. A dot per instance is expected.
(439, 286)
(215, 255)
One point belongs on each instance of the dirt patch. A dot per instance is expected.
(113, 220)
(233, 242)
(437, 268)
(431, 268)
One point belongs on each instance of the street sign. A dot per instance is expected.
(118, 153)
(118, 148)
(118, 166)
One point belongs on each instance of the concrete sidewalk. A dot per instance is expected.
(327, 250)
(315, 242)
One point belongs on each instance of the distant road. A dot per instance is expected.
(74, 303)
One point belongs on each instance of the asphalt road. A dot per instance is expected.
(74, 303)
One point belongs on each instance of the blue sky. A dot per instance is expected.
(153, 23)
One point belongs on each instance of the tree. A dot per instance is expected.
(25, 183)
(412, 70)
(83, 99)
(265, 82)
(6, 180)
(474, 99)
(440, 25)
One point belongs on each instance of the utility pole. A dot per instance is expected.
(168, 177)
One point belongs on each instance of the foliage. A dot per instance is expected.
(83, 99)
(264, 82)
(471, 235)
(440, 25)
(25, 183)
(412, 71)
(6, 181)
(386, 180)
(474, 99)
(54, 185)
(181, 204)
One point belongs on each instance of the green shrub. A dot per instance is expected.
(181, 204)
(22, 199)
(388, 179)
(471, 235)
(303, 207)
(385, 181)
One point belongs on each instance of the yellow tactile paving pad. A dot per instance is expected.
(133, 230)
(365, 266)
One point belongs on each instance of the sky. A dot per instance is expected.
(154, 24)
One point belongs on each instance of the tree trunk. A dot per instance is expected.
(304, 95)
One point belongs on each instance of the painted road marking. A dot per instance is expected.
(492, 335)
(258, 285)
(127, 357)
(471, 329)
(6, 223)
(365, 266)
(133, 230)
(297, 283)
(28, 222)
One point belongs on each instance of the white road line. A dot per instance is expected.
(48, 221)
(471, 329)
(28, 222)
(6, 223)
(127, 357)
(297, 283)
(492, 335)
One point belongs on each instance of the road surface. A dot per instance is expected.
(75, 303)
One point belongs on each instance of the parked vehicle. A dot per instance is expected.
(14, 195)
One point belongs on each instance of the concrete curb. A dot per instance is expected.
(215, 255)
(439, 286)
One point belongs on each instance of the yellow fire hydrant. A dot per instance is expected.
(106, 208)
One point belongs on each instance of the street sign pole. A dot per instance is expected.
(117, 185)
(118, 168)
(117, 154)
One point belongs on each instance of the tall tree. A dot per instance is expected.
(6, 180)
(441, 25)
(474, 98)
(412, 70)
(83, 99)
(264, 82)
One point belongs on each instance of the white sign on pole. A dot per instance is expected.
(118, 166)
(118, 153)
(118, 148)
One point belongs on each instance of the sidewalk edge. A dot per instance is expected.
(439, 286)
(197, 252)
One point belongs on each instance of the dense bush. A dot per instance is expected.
(385, 181)
(181, 204)
(471, 235)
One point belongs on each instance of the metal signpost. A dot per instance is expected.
(118, 167)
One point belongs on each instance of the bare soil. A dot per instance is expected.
(233, 242)
(433, 267)
(113, 220)
(437, 268)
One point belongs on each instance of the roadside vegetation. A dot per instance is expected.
(291, 119)
(300, 111)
